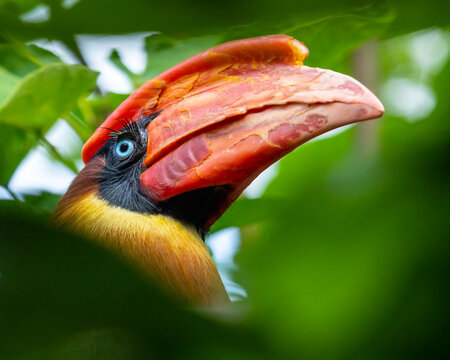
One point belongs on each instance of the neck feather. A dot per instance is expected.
(166, 249)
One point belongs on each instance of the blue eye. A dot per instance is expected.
(124, 147)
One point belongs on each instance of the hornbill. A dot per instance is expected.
(166, 164)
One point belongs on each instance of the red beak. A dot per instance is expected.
(233, 110)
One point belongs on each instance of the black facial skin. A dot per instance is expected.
(120, 182)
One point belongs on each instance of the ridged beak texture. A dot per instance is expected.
(233, 110)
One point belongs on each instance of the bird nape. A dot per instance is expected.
(168, 162)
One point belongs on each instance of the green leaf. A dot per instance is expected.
(21, 59)
(183, 19)
(36, 102)
(46, 94)
(8, 81)
(329, 37)
(417, 15)
(44, 201)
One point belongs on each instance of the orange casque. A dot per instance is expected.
(203, 72)
(243, 86)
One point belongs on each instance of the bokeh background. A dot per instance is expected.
(338, 251)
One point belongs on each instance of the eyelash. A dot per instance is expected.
(128, 127)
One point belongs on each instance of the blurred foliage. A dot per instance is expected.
(57, 288)
(344, 256)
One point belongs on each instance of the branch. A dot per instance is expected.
(365, 69)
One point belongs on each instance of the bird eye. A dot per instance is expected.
(124, 147)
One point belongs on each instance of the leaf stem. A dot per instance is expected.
(52, 150)
(80, 127)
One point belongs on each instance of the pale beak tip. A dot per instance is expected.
(377, 105)
(372, 101)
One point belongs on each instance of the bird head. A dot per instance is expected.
(198, 134)
(187, 143)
